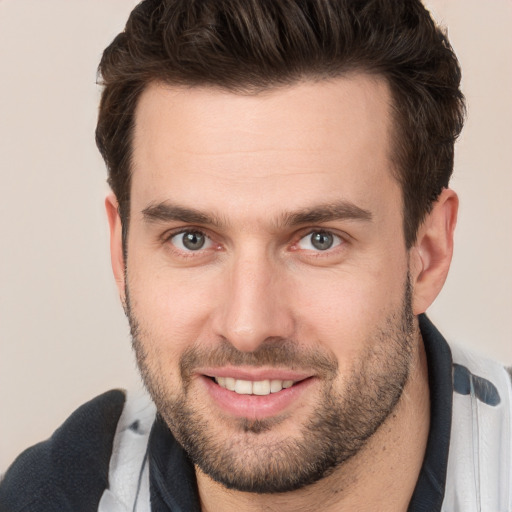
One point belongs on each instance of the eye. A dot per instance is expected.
(190, 241)
(319, 241)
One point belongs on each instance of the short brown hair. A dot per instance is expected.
(245, 46)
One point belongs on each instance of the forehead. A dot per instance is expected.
(312, 141)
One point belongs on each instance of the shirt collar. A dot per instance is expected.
(429, 492)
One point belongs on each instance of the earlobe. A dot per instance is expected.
(432, 253)
(116, 243)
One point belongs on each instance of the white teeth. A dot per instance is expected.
(230, 383)
(243, 387)
(261, 387)
(248, 387)
(276, 385)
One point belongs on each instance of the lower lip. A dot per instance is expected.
(256, 407)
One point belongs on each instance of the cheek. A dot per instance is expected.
(342, 310)
(172, 307)
(333, 309)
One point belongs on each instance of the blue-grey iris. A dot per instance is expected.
(193, 240)
(322, 240)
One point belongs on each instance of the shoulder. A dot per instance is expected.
(69, 471)
(481, 438)
(489, 379)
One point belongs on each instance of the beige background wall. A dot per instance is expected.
(63, 337)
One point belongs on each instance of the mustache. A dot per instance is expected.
(274, 352)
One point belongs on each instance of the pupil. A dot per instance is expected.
(193, 240)
(322, 241)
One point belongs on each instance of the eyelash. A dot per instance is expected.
(337, 240)
(167, 238)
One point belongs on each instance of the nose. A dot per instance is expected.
(252, 305)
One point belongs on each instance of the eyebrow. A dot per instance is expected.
(341, 210)
(166, 212)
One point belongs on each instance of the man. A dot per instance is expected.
(280, 221)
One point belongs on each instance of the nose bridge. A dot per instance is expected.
(253, 309)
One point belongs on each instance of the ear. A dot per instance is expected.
(431, 255)
(116, 244)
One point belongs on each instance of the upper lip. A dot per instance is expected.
(255, 374)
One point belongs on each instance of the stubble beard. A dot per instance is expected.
(339, 428)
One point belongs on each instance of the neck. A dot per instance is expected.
(382, 476)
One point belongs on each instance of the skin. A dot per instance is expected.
(249, 162)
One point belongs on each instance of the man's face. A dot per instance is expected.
(267, 273)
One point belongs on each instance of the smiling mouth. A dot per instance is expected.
(242, 395)
(249, 387)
